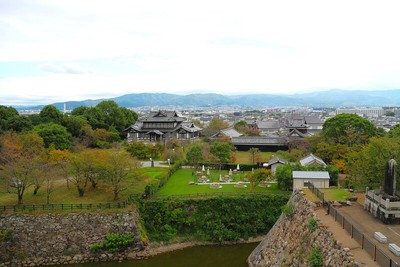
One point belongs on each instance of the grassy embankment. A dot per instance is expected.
(135, 184)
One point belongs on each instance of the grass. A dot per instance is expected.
(135, 184)
(178, 184)
(333, 194)
(243, 157)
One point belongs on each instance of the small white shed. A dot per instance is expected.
(319, 179)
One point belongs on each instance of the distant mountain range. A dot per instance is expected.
(331, 98)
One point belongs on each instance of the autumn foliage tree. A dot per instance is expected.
(20, 161)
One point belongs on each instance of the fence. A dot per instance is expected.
(364, 241)
(316, 192)
(80, 206)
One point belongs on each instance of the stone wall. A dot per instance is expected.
(290, 241)
(31, 240)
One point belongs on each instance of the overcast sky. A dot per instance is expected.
(74, 50)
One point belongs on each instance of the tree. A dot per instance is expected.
(214, 126)
(284, 177)
(395, 131)
(194, 156)
(59, 158)
(254, 154)
(19, 155)
(54, 134)
(349, 129)
(6, 113)
(74, 125)
(49, 114)
(222, 152)
(258, 176)
(240, 125)
(117, 167)
(367, 167)
(19, 124)
(139, 150)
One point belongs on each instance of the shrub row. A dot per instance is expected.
(160, 180)
(215, 219)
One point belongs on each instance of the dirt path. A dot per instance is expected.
(360, 255)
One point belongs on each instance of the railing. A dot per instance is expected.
(80, 206)
(364, 241)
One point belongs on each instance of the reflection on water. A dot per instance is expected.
(202, 256)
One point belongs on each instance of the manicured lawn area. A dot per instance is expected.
(103, 193)
(333, 194)
(178, 184)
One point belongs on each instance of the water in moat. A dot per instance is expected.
(210, 256)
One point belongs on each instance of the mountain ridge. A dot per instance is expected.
(330, 98)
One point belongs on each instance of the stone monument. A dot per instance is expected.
(385, 204)
(390, 178)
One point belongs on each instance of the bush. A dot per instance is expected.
(215, 219)
(288, 210)
(160, 180)
(315, 259)
(312, 224)
(114, 242)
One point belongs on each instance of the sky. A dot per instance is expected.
(54, 51)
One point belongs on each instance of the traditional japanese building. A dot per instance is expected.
(161, 126)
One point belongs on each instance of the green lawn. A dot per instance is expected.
(135, 184)
(178, 184)
(333, 194)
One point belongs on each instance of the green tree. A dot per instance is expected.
(240, 125)
(54, 135)
(6, 113)
(214, 126)
(49, 114)
(349, 129)
(222, 152)
(139, 150)
(258, 176)
(284, 177)
(395, 131)
(194, 156)
(367, 167)
(74, 125)
(19, 124)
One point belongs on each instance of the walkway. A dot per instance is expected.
(360, 255)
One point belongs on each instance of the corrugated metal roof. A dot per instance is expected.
(310, 175)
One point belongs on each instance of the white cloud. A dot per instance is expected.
(64, 68)
(184, 46)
